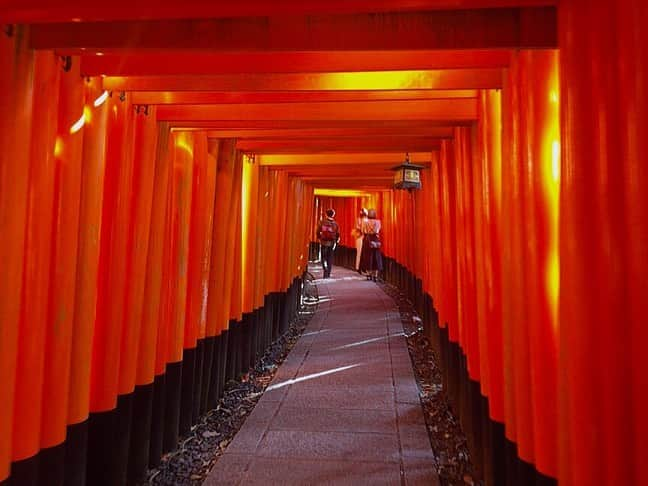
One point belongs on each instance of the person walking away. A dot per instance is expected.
(328, 233)
(371, 261)
(357, 234)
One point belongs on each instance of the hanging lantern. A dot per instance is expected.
(407, 175)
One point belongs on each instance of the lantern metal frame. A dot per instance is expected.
(407, 175)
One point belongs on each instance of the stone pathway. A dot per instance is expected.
(343, 408)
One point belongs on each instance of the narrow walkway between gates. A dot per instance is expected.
(343, 407)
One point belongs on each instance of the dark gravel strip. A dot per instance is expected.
(448, 441)
(195, 456)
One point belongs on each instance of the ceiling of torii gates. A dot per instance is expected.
(335, 92)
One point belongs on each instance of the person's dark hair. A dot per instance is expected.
(330, 213)
(371, 214)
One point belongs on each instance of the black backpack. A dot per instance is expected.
(328, 231)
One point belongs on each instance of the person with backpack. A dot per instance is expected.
(328, 233)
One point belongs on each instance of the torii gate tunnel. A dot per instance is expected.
(163, 166)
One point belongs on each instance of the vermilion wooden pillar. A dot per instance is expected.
(32, 341)
(15, 129)
(90, 214)
(180, 218)
(604, 243)
(487, 177)
(217, 309)
(130, 443)
(146, 433)
(65, 237)
(108, 410)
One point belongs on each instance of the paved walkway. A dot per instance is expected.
(343, 408)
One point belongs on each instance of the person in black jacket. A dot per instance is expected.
(328, 233)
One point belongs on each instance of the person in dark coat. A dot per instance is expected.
(328, 233)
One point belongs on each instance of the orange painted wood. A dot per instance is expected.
(421, 79)
(603, 309)
(234, 268)
(153, 318)
(196, 125)
(532, 27)
(249, 230)
(15, 130)
(88, 254)
(191, 62)
(63, 266)
(202, 216)
(212, 165)
(224, 218)
(516, 339)
(448, 314)
(142, 194)
(288, 160)
(183, 147)
(344, 133)
(167, 150)
(466, 318)
(77, 10)
(488, 199)
(282, 96)
(33, 342)
(263, 238)
(112, 280)
(310, 146)
(14, 217)
(542, 181)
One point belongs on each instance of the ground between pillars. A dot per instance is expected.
(449, 443)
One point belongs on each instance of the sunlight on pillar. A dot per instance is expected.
(78, 125)
(101, 99)
(246, 195)
(183, 142)
(87, 114)
(551, 186)
(58, 147)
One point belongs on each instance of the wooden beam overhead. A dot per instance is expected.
(526, 27)
(318, 133)
(211, 98)
(228, 124)
(190, 62)
(211, 125)
(29, 11)
(367, 177)
(451, 79)
(464, 109)
(334, 171)
(309, 160)
(357, 185)
(385, 144)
